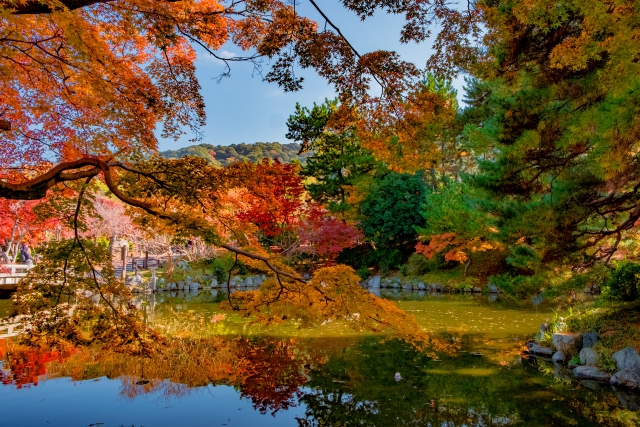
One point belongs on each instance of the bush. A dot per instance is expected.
(624, 281)
(519, 286)
(404, 270)
(222, 265)
(364, 256)
(364, 273)
(418, 264)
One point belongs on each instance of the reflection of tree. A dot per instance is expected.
(275, 373)
(24, 366)
(356, 387)
(347, 381)
(269, 371)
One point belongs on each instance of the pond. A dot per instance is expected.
(223, 371)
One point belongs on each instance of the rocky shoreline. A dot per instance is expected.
(576, 353)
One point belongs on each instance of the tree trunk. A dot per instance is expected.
(466, 267)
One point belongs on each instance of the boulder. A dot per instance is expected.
(558, 357)
(589, 339)
(590, 373)
(628, 378)
(194, 286)
(135, 280)
(248, 282)
(627, 358)
(566, 343)
(214, 283)
(374, 282)
(589, 357)
(493, 289)
(476, 290)
(421, 286)
(539, 350)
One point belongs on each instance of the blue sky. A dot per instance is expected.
(243, 108)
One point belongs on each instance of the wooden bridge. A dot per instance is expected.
(9, 280)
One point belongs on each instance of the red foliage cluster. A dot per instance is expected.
(274, 197)
(326, 235)
(24, 366)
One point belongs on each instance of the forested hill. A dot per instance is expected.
(227, 154)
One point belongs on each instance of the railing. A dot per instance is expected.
(16, 272)
(12, 328)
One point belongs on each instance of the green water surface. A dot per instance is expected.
(355, 379)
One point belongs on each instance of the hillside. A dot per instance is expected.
(227, 154)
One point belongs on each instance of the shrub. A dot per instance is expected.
(519, 286)
(222, 265)
(624, 281)
(418, 264)
(364, 273)
(404, 270)
(365, 256)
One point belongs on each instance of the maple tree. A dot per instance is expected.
(326, 236)
(22, 222)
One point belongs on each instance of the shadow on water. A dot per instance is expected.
(320, 378)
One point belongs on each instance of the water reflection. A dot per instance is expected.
(317, 378)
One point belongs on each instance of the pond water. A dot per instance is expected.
(223, 371)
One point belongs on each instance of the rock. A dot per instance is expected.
(214, 283)
(421, 286)
(589, 357)
(493, 289)
(544, 327)
(590, 373)
(248, 282)
(627, 358)
(566, 343)
(558, 357)
(214, 293)
(135, 280)
(374, 282)
(628, 401)
(628, 378)
(194, 286)
(561, 372)
(476, 290)
(539, 350)
(589, 339)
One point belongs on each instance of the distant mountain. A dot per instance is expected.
(226, 154)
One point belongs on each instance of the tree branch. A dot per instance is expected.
(37, 189)
(36, 7)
